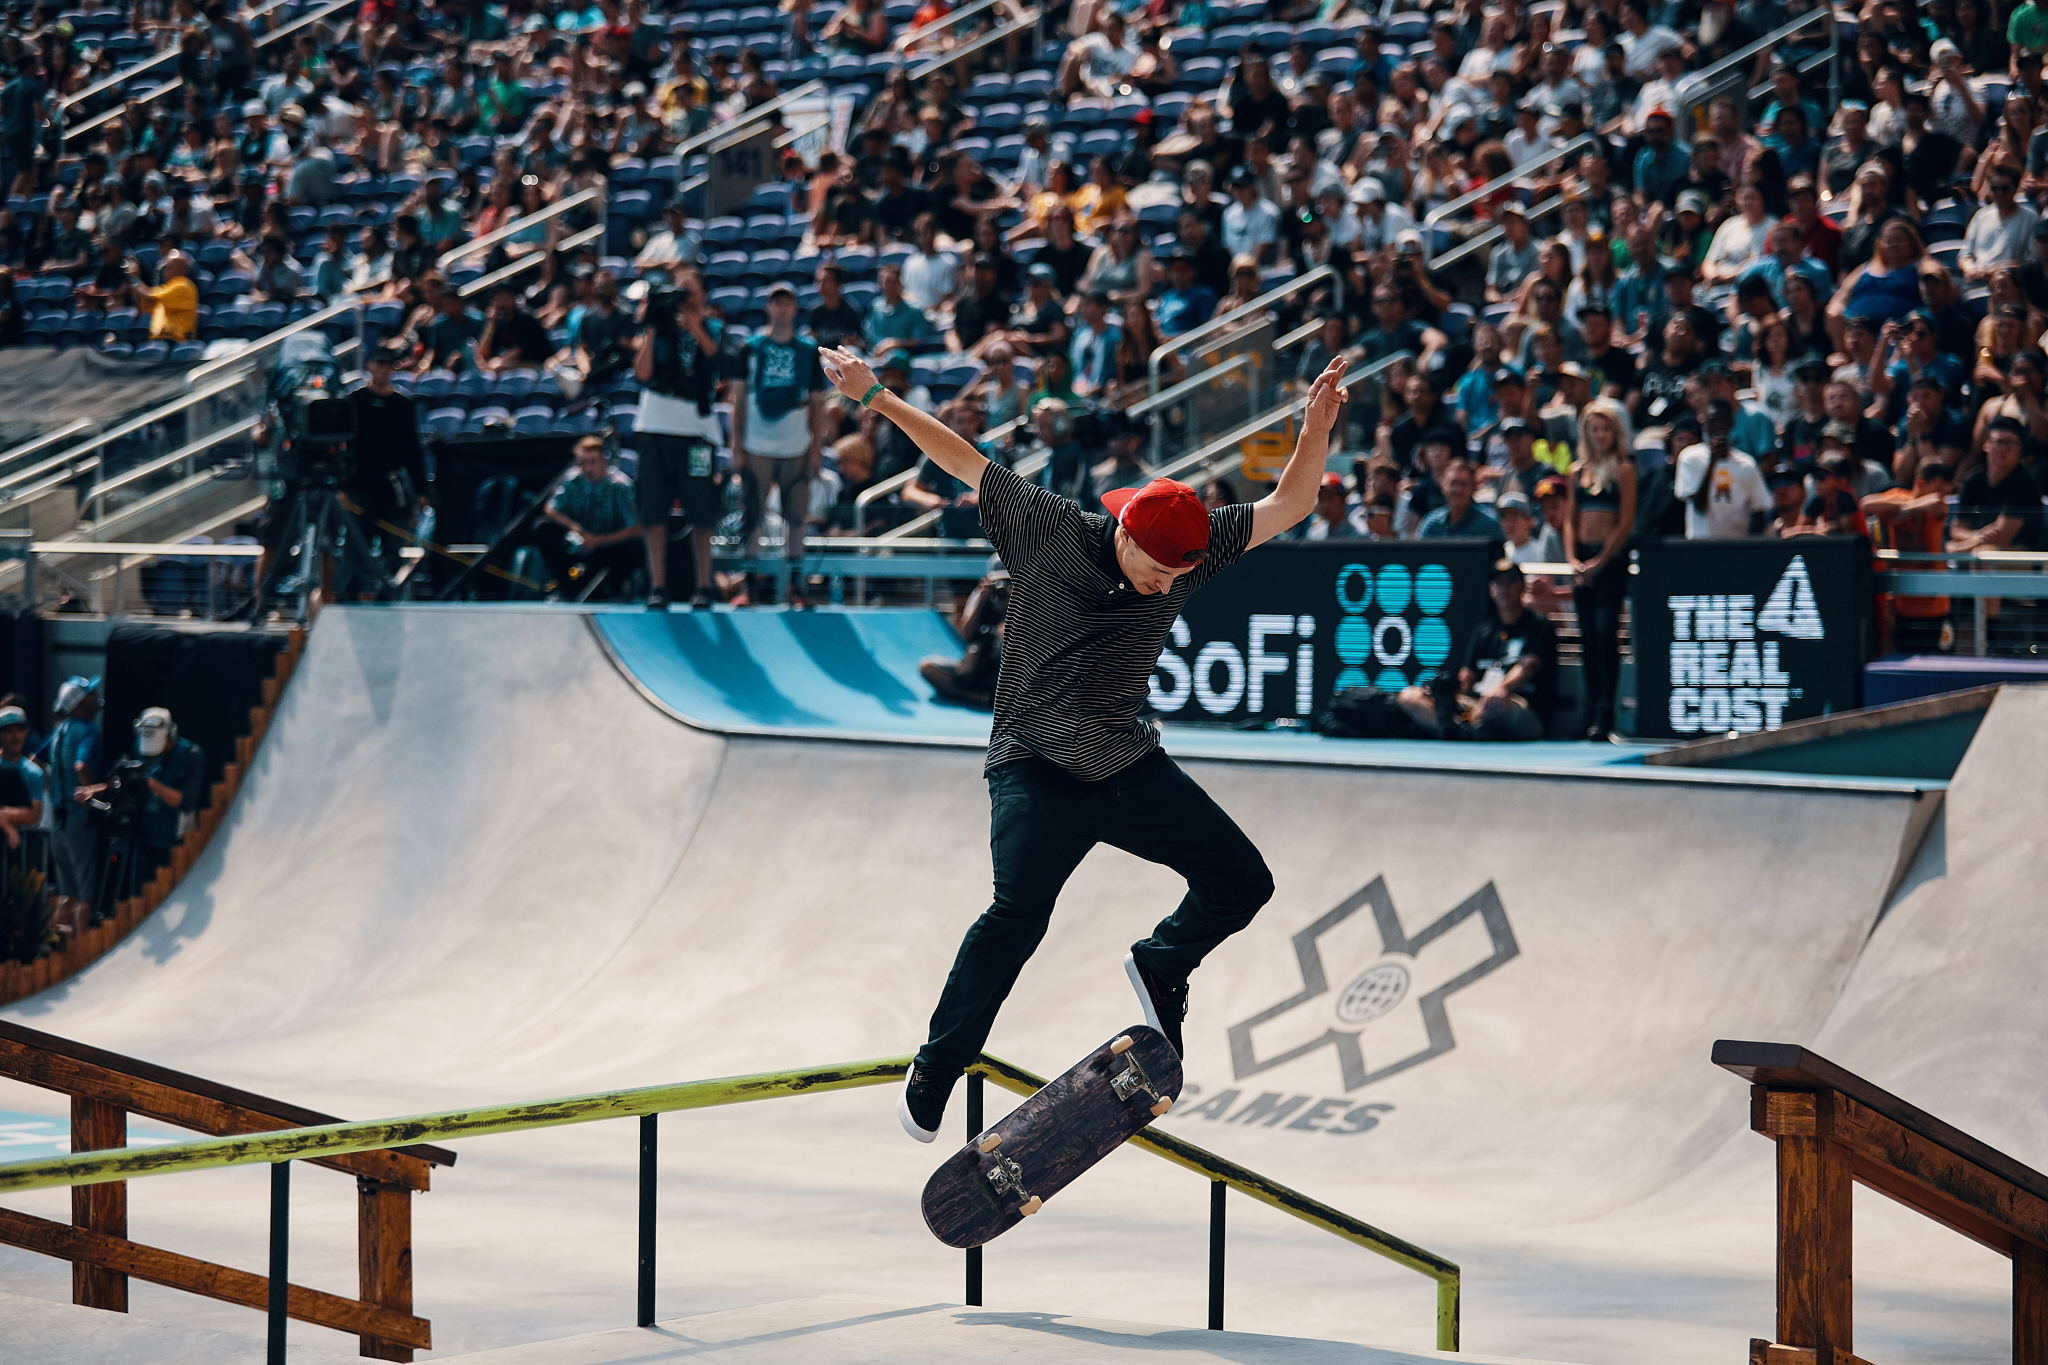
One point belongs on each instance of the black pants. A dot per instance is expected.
(620, 558)
(1599, 608)
(1042, 823)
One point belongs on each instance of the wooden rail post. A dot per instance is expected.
(97, 1126)
(384, 1252)
(2029, 1304)
(1815, 1304)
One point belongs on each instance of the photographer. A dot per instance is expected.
(160, 789)
(677, 364)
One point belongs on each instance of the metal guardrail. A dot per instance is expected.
(84, 426)
(1701, 87)
(1205, 457)
(1524, 171)
(519, 225)
(1026, 22)
(12, 486)
(303, 21)
(164, 58)
(903, 41)
(1242, 360)
(264, 344)
(1235, 317)
(757, 114)
(1471, 246)
(279, 1149)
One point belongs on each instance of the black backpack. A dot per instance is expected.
(1365, 713)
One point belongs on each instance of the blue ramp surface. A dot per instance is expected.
(825, 674)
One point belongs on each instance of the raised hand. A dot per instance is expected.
(848, 372)
(1326, 396)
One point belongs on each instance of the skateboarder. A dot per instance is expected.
(1070, 765)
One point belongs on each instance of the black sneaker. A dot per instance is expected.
(1165, 1002)
(701, 600)
(657, 600)
(922, 1102)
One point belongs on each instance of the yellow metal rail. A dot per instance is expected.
(337, 1139)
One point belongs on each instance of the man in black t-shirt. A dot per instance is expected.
(833, 320)
(900, 203)
(512, 338)
(1617, 369)
(388, 482)
(1507, 677)
(1999, 507)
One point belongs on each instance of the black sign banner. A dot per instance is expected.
(1272, 637)
(1738, 636)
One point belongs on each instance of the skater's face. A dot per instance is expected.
(1147, 574)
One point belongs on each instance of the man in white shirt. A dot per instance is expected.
(1096, 60)
(1723, 492)
(1641, 40)
(1379, 222)
(1558, 85)
(1494, 52)
(675, 244)
(1663, 91)
(1525, 143)
(929, 277)
(1251, 224)
(2001, 233)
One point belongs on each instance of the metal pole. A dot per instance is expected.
(280, 1248)
(1217, 1189)
(648, 1135)
(1834, 62)
(974, 1131)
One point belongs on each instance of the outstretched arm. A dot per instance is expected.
(1294, 497)
(948, 449)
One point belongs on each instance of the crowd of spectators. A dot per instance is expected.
(1634, 297)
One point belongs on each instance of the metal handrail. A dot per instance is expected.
(527, 262)
(337, 1139)
(1472, 245)
(1507, 178)
(1702, 86)
(83, 426)
(1244, 359)
(264, 343)
(1023, 469)
(516, 226)
(169, 54)
(903, 40)
(303, 21)
(162, 462)
(754, 115)
(11, 482)
(1028, 20)
(1186, 340)
(875, 492)
(1224, 442)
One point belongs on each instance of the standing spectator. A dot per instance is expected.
(1723, 491)
(1599, 517)
(23, 806)
(73, 753)
(778, 423)
(1913, 520)
(678, 434)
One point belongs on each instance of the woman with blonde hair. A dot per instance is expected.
(1600, 513)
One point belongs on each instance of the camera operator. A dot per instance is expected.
(387, 480)
(678, 366)
(172, 773)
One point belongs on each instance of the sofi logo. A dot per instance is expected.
(1222, 677)
(1393, 631)
(1724, 675)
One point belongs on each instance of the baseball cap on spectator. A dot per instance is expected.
(1784, 476)
(1515, 426)
(1595, 307)
(1514, 206)
(1694, 201)
(254, 108)
(292, 113)
(72, 691)
(1658, 112)
(1839, 431)
(1408, 240)
(1370, 191)
(1928, 379)
(1810, 368)
(1504, 568)
(1509, 374)
(1917, 315)
(1681, 270)
(12, 715)
(1241, 175)
(1335, 481)
(1861, 322)
(1441, 436)
(781, 288)
(1515, 500)
(1714, 368)
(984, 261)
(1551, 486)
(1045, 273)
(1801, 184)
(1165, 519)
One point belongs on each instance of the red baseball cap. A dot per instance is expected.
(1165, 517)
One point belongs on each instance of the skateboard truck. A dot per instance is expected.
(1006, 1175)
(1133, 1079)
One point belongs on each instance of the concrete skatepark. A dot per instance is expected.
(488, 855)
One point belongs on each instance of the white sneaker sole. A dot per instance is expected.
(903, 1114)
(1144, 996)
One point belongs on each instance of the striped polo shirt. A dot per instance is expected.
(1079, 643)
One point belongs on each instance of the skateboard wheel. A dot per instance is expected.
(990, 1142)
(1031, 1206)
(1120, 1046)
(1162, 1106)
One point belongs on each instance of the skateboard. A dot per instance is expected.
(1004, 1175)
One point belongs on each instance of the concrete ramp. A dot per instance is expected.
(849, 1330)
(476, 861)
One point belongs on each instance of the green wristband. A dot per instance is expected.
(871, 393)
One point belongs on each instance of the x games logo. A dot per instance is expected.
(1383, 994)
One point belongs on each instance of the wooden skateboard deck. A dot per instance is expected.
(1008, 1172)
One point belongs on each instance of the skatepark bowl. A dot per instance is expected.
(490, 852)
